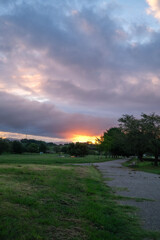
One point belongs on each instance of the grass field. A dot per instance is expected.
(143, 166)
(49, 159)
(61, 202)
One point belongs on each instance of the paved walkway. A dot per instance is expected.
(130, 183)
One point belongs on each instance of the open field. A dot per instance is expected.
(46, 202)
(143, 166)
(49, 159)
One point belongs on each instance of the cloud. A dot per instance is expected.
(154, 8)
(64, 64)
(132, 94)
(44, 119)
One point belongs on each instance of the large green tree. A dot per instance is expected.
(118, 142)
(106, 142)
(113, 142)
(136, 139)
(151, 128)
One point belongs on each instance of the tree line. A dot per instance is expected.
(35, 146)
(24, 145)
(133, 137)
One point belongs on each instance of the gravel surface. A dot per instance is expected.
(129, 183)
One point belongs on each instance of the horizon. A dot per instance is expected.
(70, 69)
(79, 138)
(19, 137)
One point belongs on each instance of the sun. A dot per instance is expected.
(84, 138)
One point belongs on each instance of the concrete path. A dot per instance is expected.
(129, 183)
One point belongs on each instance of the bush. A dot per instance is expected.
(78, 149)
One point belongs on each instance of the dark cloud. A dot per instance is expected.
(136, 96)
(43, 119)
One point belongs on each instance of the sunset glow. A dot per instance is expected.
(83, 138)
(19, 136)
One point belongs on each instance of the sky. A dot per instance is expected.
(69, 69)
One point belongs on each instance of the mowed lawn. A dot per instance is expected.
(56, 202)
(47, 159)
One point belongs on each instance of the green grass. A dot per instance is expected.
(46, 202)
(143, 166)
(49, 159)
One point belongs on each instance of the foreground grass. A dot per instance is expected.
(49, 159)
(143, 166)
(40, 202)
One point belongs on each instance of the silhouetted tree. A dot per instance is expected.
(33, 148)
(136, 139)
(4, 145)
(43, 147)
(57, 149)
(17, 147)
(78, 149)
(151, 126)
(113, 142)
(118, 142)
